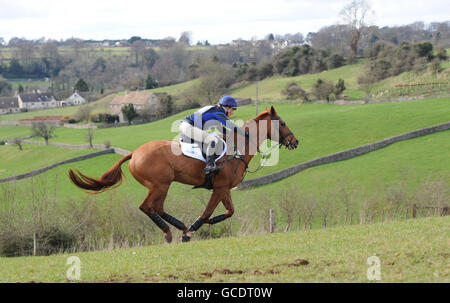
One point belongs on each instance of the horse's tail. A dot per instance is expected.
(112, 178)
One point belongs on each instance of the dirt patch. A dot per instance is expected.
(172, 277)
(273, 272)
(299, 262)
(224, 271)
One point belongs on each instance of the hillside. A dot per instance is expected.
(322, 129)
(378, 186)
(409, 251)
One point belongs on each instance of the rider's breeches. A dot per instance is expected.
(199, 135)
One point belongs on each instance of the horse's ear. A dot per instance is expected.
(272, 111)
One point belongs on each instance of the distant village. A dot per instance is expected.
(24, 102)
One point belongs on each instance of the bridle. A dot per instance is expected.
(281, 138)
(264, 155)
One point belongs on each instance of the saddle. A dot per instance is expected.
(193, 149)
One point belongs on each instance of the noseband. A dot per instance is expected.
(282, 137)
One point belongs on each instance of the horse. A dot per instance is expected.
(156, 166)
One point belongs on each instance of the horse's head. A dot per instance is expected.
(285, 136)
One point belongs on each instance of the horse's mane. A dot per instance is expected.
(260, 116)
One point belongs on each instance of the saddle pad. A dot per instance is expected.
(192, 150)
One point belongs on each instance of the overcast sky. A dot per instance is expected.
(215, 21)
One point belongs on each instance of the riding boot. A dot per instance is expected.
(211, 166)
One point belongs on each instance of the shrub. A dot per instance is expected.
(335, 61)
(55, 240)
(323, 89)
(294, 91)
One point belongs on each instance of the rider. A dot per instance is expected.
(193, 127)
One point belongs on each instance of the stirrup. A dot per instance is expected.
(212, 169)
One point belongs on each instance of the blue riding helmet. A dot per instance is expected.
(228, 101)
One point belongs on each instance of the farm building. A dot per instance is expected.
(37, 101)
(74, 99)
(9, 105)
(140, 101)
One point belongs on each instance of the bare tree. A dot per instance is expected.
(137, 51)
(18, 142)
(90, 136)
(84, 113)
(356, 15)
(40, 129)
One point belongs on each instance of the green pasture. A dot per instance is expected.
(408, 251)
(407, 164)
(33, 157)
(322, 129)
(270, 88)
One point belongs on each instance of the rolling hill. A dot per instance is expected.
(408, 251)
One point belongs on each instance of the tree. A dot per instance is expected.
(149, 83)
(90, 136)
(366, 83)
(129, 113)
(5, 87)
(185, 38)
(81, 86)
(355, 15)
(340, 87)
(323, 89)
(84, 113)
(18, 142)
(294, 91)
(165, 105)
(133, 39)
(270, 37)
(40, 129)
(215, 80)
(137, 51)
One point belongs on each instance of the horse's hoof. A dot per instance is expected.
(168, 237)
(185, 238)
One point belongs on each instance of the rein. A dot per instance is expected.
(264, 155)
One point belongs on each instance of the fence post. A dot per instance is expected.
(34, 244)
(414, 210)
(271, 221)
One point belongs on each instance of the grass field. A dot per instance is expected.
(409, 251)
(374, 178)
(321, 128)
(33, 157)
(270, 88)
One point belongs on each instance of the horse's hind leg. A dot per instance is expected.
(153, 207)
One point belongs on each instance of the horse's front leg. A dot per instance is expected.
(228, 204)
(216, 197)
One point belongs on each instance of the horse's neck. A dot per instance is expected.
(251, 150)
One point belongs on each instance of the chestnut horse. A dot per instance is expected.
(156, 166)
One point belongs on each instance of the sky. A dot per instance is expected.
(212, 20)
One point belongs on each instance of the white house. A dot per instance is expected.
(74, 99)
(9, 105)
(37, 101)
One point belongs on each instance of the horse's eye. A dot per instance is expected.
(283, 124)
